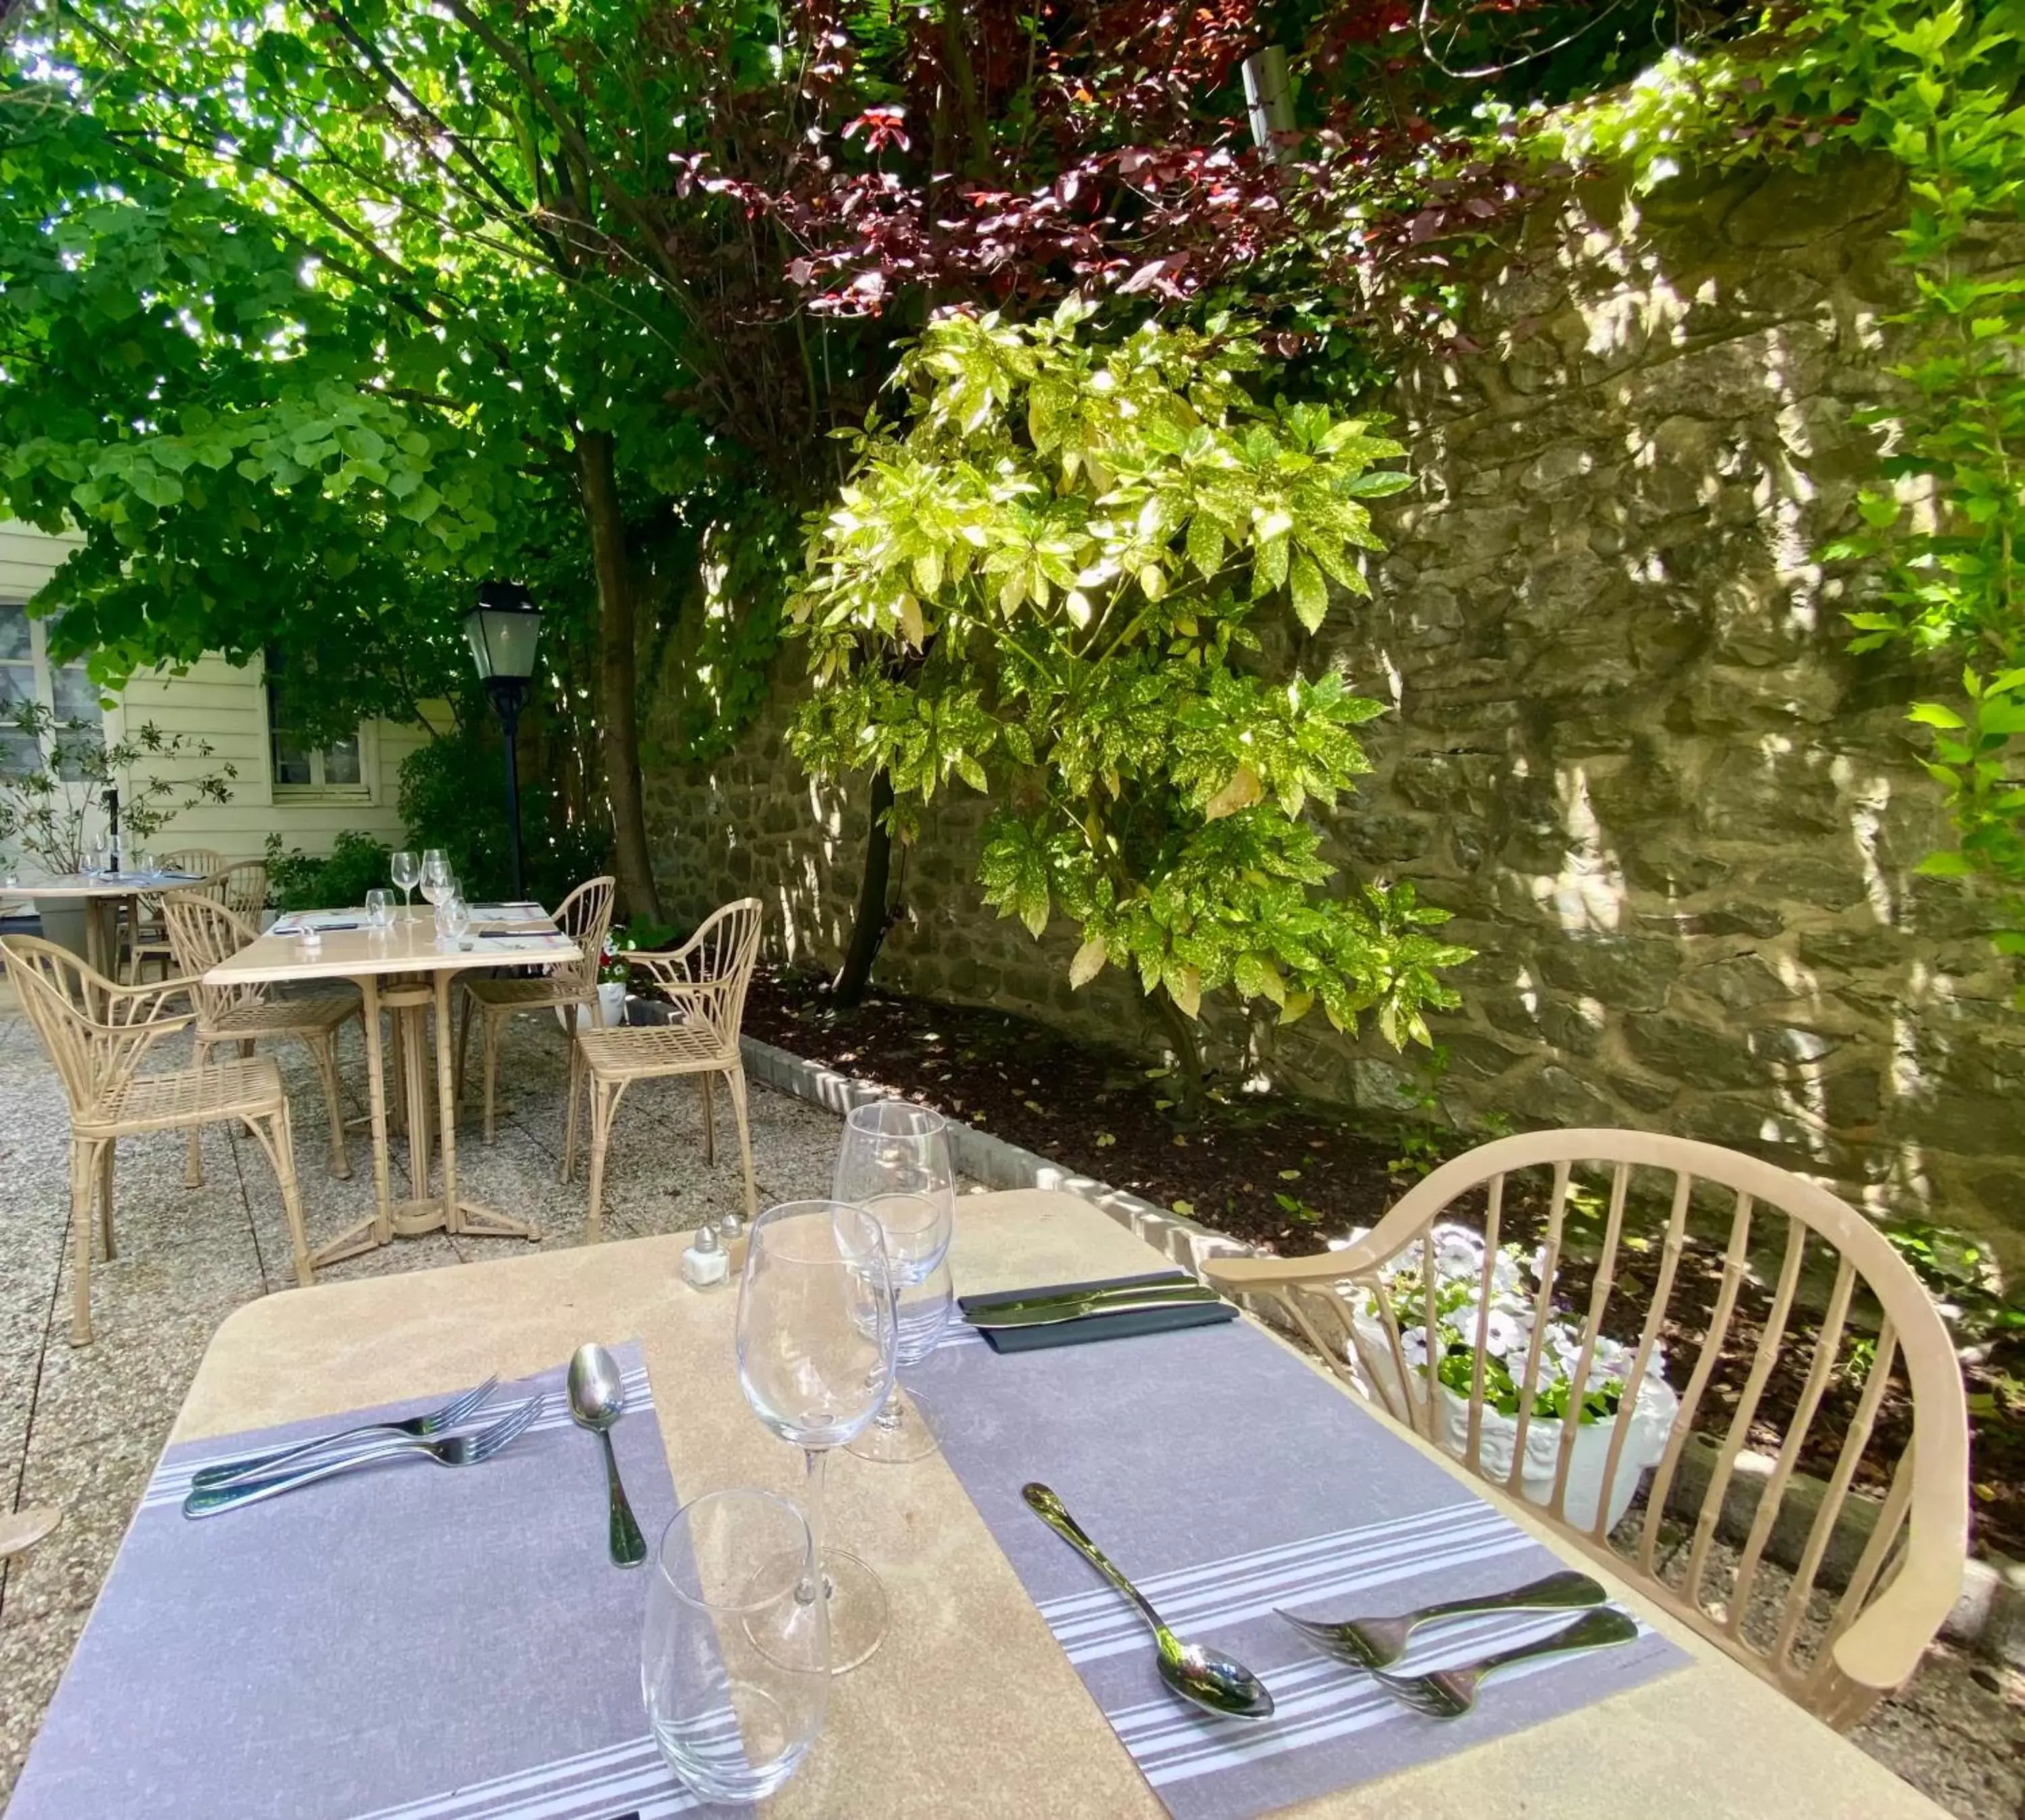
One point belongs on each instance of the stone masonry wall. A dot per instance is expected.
(1630, 750)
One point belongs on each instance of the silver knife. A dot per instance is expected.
(1167, 1283)
(1058, 1311)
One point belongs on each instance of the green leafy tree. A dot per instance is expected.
(1041, 584)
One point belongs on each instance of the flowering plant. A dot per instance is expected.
(612, 969)
(1508, 1329)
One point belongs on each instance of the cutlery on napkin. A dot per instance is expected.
(1076, 1313)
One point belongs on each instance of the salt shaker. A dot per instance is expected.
(706, 1265)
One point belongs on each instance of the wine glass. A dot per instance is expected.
(817, 1333)
(436, 873)
(407, 875)
(923, 1308)
(734, 1654)
(94, 860)
(894, 1162)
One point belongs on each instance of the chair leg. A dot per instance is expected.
(735, 1077)
(323, 1052)
(193, 1160)
(463, 1041)
(276, 1135)
(105, 1199)
(493, 1030)
(84, 1168)
(605, 1097)
(709, 1126)
(569, 1128)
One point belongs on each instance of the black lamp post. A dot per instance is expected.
(504, 628)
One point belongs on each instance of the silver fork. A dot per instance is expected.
(1380, 1642)
(452, 1450)
(431, 1422)
(1451, 1692)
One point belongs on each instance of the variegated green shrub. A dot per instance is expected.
(1040, 582)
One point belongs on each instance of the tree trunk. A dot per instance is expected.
(868, 928)
(616, 679)
(1191, 1090)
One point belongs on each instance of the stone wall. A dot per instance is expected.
(1630, 750)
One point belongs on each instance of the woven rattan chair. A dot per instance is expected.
(148, 939)
(244, 883)
(202, 933)
(97, 1035)
(584, 917)
(1661, 1245)
(706, 980)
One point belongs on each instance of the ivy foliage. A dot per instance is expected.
(1040, 581)
(1937, 87)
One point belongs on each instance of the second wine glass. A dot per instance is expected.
(816, 1341)
(407, 873)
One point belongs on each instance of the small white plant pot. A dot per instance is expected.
(612, 1002)
(1651, 1417)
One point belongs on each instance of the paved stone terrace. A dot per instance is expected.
(82, 1429)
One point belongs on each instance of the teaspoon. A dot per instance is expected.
(1214, 1682)
(596, 1400)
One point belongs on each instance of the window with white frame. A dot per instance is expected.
(27, 676)
(301, 766)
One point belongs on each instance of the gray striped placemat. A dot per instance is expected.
(405, 1642)
(1226, 1478)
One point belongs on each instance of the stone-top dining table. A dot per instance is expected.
(103, 896)
(971, 1707)
(406, 969)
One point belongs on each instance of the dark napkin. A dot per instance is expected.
(1125, 1325)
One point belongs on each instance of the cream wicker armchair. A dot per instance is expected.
(149, 939)
(1661, 1244)
(706, 980)
(585, 915)
(97, 1035)
(203, 932)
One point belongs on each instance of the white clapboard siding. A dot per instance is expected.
(226, 706)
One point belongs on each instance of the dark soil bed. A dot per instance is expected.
(1290, 1176)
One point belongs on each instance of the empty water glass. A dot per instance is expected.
(898, 1433)
(453, 914)
(734, 1654)
(380, 909)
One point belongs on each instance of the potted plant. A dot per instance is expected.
(1603, 1401)
(612, 977)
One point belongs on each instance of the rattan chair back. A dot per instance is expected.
(204, 933)
(710, 974)
(585, 915)
(1787, 1324)
(95, 1032)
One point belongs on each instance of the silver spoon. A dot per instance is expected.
(1214, 1682)
(596, 1400)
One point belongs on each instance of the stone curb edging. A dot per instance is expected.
(1989, 1616)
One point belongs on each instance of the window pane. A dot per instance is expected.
(19, 753)
(14, 647)
(74, 695)
(293, 763)
(341, 761)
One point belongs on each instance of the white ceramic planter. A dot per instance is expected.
(1651, 1416)
(63, 923)
(612, 1002)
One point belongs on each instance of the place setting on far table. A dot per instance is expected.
(897, 1503)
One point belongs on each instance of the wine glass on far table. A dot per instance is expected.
(407, 875)
(817, 1333)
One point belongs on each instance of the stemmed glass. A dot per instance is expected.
(407, 875)
(894, 1162)
(436, 875)
(923, 1308)
(816, 1342)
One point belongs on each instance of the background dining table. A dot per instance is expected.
(104, 896)
(407, 969)
(971, 1707)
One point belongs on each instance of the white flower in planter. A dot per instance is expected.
(1598, 1405)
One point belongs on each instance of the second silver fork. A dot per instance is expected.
(430, 1422)
(452, 1450)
